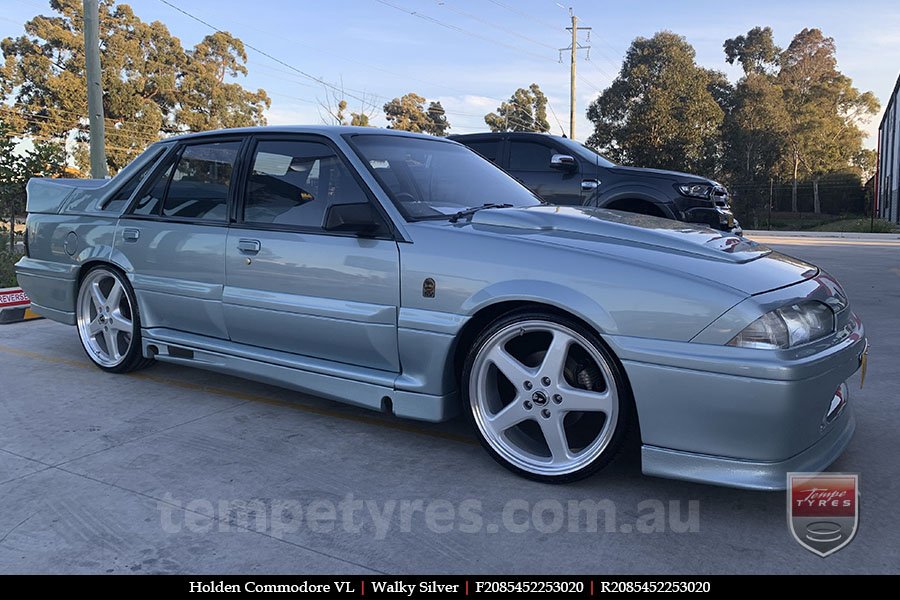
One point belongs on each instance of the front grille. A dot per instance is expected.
(720, 196)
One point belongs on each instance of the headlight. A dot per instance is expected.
(695, 190)
(787, 327)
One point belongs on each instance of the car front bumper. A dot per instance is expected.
(728, 416)
(716, 217)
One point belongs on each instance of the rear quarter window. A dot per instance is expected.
(120, 198)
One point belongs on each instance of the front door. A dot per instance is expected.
(172, 240)
(529, 162)
(293, 287)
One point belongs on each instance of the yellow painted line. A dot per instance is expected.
(407, 426)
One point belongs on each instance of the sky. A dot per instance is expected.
(472, 54)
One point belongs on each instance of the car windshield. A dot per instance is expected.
(435, 179)
(587, 152)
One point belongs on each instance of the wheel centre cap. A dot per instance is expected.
(539, 398)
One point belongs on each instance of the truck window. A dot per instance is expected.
(490, 149)
(529, 156)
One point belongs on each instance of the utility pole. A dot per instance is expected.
(94, 88)
(573, 50)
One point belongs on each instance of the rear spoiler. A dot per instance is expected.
(49, 196)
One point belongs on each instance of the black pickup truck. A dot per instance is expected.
(562, 171)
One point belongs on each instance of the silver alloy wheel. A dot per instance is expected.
(105, 317)
(545, 395)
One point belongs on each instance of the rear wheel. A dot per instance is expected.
(108, 321)
(547, 399)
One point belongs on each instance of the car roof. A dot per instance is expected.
(486, 135)
(326, 130)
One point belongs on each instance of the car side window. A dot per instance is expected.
(148, 202)
(292, 183)
(121, 197)
(529, 156)
(201, 182)
(490, 149)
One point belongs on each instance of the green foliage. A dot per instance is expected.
(866, 160)
(44, 159)
(756, 51)
(8, 259)
(408, 113)
(438, 124)
(824, 110)
(526, 110)
(359, 119)
(663, 110)
(792, 116)
(152, 85)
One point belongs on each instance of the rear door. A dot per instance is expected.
(529, 162)
(290, 285)
(173, 236)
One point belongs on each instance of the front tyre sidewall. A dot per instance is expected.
(625, 411)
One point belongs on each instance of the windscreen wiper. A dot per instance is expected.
(471, 211)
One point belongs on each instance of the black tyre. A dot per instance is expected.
(546, 397)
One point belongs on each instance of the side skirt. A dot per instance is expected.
(364, 388)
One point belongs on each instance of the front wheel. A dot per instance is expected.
(108, 322)
(547, 399)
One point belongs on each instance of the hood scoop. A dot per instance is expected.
(617, 227)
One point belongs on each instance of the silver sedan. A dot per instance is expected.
(406, 274)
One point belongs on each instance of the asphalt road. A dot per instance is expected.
(176, 470)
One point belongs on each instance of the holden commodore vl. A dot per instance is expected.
(406, 274)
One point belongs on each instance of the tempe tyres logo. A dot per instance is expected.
(823, 510)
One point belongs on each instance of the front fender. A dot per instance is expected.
(630, 191)
(542, 292)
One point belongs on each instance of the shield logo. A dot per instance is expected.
(823, 510)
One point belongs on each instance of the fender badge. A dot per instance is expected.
(428, 287)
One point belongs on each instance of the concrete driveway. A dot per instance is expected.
(176, 470)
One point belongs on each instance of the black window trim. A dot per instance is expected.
(152, 162)
(174, 157)
(241, 189)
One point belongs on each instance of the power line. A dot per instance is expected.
(526, 15)
(323, 82)
(456, 28)
(264, 53)
(495, 26)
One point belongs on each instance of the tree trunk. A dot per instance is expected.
(816, 207)
(794, 184)
(12, 232)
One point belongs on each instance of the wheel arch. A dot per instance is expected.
(490, 312)
(647, 197)
(114, 259)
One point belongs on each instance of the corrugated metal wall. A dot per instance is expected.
(889, 160)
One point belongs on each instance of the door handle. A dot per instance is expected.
(588, 185)
(131, 235)
(249, 246)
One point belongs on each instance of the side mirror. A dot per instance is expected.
(563, 162)
(360, 218)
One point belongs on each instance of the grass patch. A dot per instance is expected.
(835, 223)
(863, 225)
